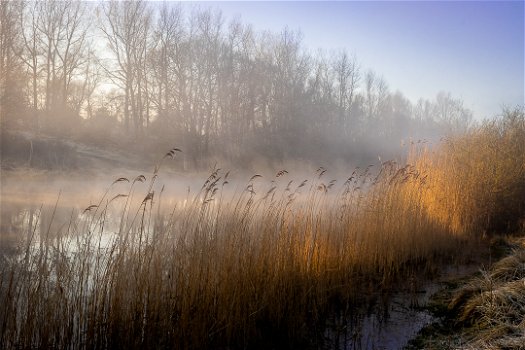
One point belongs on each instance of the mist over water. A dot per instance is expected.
(36, 196)
(174, 178)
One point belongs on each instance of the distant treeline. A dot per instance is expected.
(115, 72)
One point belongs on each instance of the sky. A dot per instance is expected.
(472, 49)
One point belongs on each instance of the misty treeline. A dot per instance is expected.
(164, 74)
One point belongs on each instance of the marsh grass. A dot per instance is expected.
(476, 181)
(263, 266)
(266, 266)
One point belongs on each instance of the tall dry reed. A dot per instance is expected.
(265, 266)
(476, 181)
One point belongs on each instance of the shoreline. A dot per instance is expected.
(453, 328)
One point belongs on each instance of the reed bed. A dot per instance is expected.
(476, 181)
(262, 267)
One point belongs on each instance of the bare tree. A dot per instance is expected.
(347, 79)
(165, 61)
(80, 92)
(52, 45)
(71, 46)
(10, 89)
(126, 28)
(322, 95)
(30, 52)
(451, 113)
(50, 27)
(207, 27)
(376, 94)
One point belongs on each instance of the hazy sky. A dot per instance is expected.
(473, 49)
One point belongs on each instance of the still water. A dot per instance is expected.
(34, 205)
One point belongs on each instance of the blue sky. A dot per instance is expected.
(472, 49)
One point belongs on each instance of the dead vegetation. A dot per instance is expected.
(476, 181)
(492, 306)
(264, 267)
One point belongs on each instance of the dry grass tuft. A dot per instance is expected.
(495, 305)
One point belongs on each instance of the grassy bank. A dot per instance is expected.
(484, 311)
(264, 266)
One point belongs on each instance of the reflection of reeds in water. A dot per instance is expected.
(264, 267)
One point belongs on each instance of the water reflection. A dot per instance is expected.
(47, 206)
(16, 221)
(42, 206)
